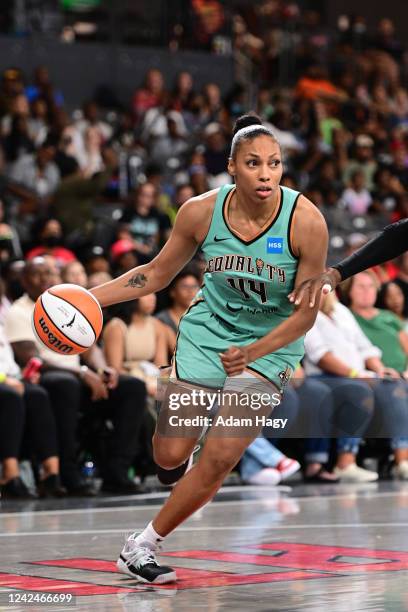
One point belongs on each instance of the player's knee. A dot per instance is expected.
(168, 458)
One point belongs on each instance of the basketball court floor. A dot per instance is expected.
(333, 548)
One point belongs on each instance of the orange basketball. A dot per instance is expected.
(67, 319)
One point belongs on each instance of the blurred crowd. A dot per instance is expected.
(89, 193)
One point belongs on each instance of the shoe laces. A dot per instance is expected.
(142, 555)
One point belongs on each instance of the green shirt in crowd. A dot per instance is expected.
(383, 331)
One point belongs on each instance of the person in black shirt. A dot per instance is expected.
(390, 243)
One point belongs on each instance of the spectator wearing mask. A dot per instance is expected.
(49, 237)
(95, 386)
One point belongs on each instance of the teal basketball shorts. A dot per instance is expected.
(203, 335)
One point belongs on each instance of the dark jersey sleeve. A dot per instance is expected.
(390, 243)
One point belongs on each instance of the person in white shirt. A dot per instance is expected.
(337, 350)
(72, 386)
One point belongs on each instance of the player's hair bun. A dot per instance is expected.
(245, 121)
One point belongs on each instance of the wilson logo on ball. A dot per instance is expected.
(53, 340)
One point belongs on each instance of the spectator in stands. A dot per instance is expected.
(66, 155)
(9, 240)
(183, 92)
(212, 103)
(171, 146)
(124, 256)
(399, 166)
(198, 173)
(216, 155)
(149, 96)
(75, 198)
(19, 108)
(386, 331)
(91, 119)
(402, 280)
(12, 273)
(90, 159)
(98, 278)
(96, 385)
(338, 352)
(27, 429)
(387, 190)
(4, 302)
(18, 141)
(356, 198)
(49, 238)
(38, 172)
(135, 342)
(11, 86)
(264, 464)
(382, 327)
(181, 290)
(363, 161)
(74, 272)
(391, 297)
(95, 260)
(183, 192)
(144, 224)
(37, 123)
(42, 87)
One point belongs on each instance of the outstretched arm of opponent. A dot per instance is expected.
(390, 243)
(311, 241)
(158, 273)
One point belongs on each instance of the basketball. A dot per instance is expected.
(67, 319)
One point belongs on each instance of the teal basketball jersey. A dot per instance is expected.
(246, 282)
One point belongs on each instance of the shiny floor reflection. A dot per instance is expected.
(309, 548)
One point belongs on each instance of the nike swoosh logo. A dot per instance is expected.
(232, 309)
(219, 239)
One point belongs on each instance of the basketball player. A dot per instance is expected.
(390, 243)
(259, 240)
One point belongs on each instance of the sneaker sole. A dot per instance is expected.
(163, 579)
(290, 471)
(345, 480)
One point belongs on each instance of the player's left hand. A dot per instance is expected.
(110, 377)
(235, 360)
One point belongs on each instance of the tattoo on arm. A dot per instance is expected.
(137, 281)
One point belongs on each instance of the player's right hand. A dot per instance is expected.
(311, 288)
